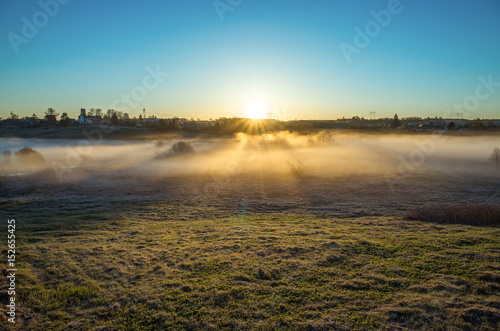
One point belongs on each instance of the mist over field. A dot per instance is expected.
(280, 154)
(370, 225)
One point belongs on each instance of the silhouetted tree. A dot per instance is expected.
(14, 116)
(64, 120)
(114, 118)
(395, 122)
(51, 111)
(109, 113)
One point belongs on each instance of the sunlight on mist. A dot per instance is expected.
(279, 154)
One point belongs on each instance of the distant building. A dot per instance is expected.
(425, 127)
(29, 121)
(84, 119)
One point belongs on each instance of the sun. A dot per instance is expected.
(256, 109)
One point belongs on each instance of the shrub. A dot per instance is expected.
(29, 156)
(480, 214)
(179, 148)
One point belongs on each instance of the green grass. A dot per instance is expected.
(149, 269)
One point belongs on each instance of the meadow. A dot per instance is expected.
(254, 233)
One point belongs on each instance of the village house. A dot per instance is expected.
(85, 119)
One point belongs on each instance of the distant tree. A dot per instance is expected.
(64, 120)
(109, 113)
(495, 157)
(451, 125)
(98, 112)
(91, 112)
(395, 122)
(51, 111)
(114, 118)
(34, 115)
(126, 117)
(13, 116)
(477, 124)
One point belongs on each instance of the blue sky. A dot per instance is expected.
(93, 54)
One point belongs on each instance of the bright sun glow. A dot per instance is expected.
(256, 109)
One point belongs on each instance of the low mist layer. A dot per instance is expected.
(281, 154)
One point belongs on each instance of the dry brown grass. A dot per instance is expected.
(469, 214)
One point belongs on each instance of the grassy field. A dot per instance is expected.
(254, 233)
(143, 267)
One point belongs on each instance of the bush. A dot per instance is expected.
(29, 156)
(179, 148)
(468, 214)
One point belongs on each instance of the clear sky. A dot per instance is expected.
(299, 58)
